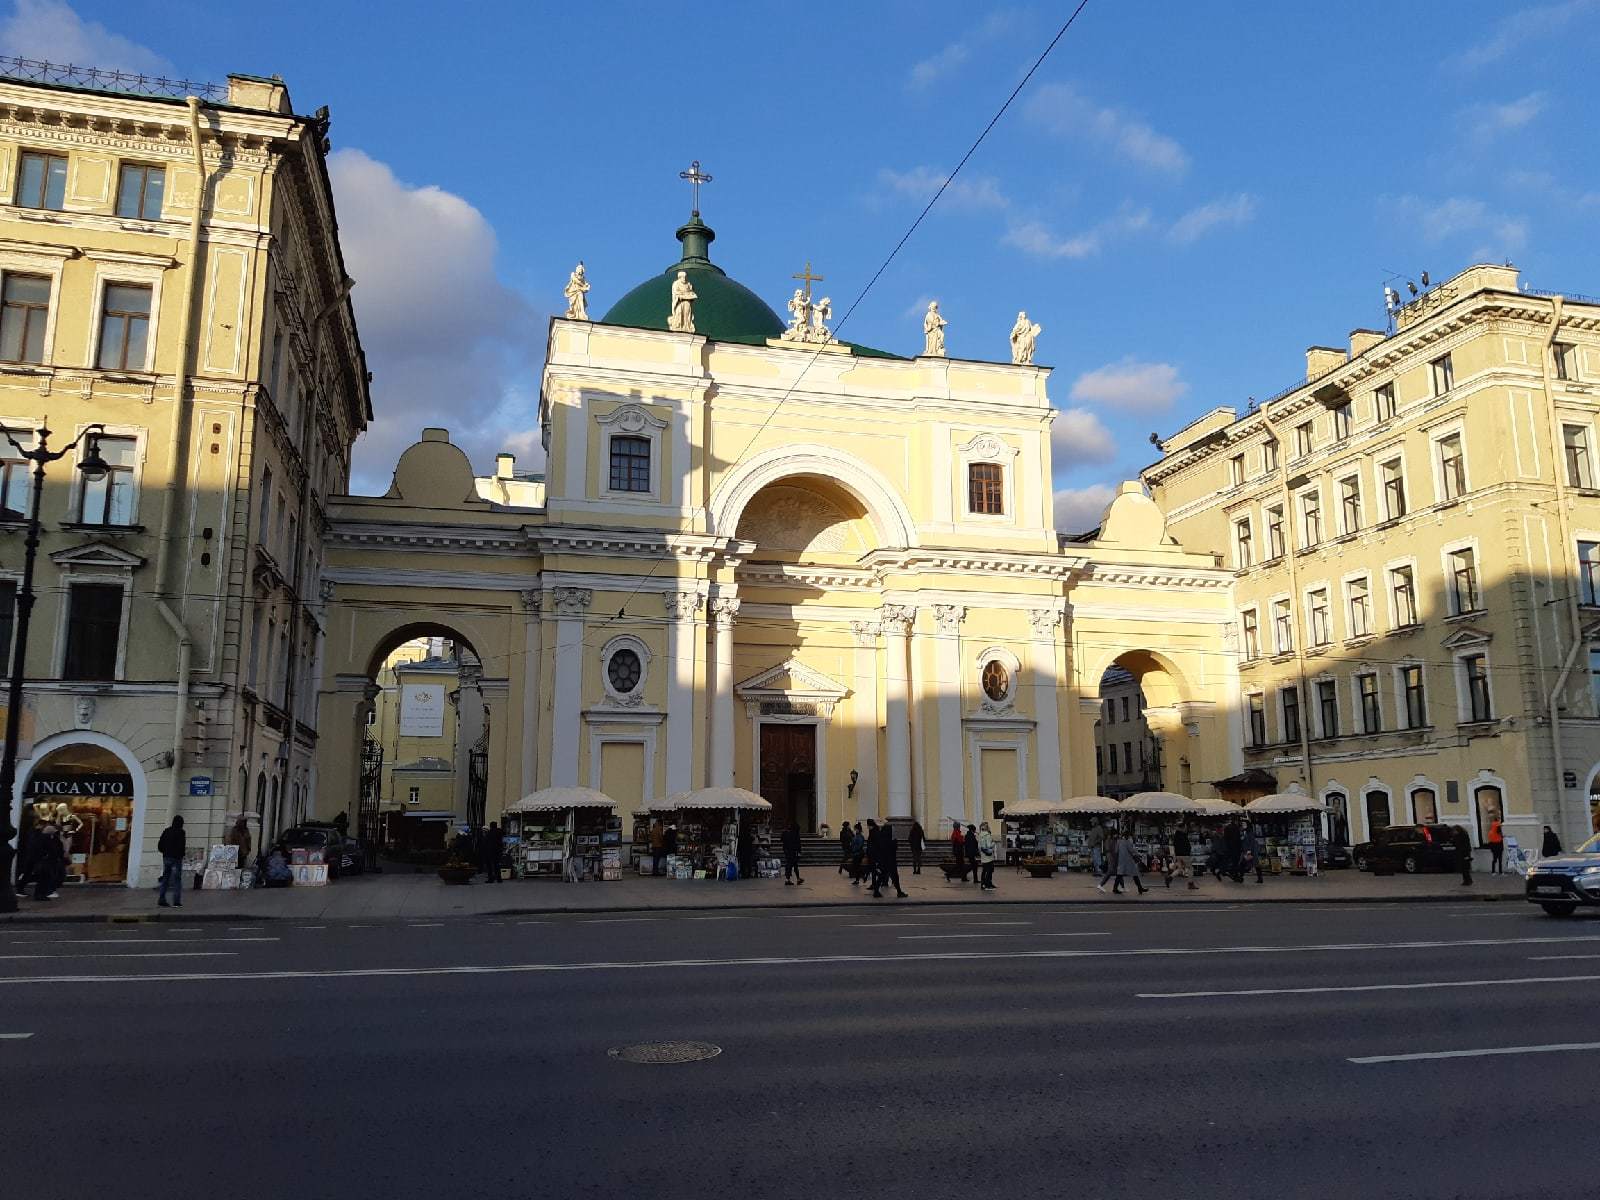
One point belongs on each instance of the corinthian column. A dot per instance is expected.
(1042, 666)
(571, 604)
(950, 790)
(896, 621)
(723, 611)
(532, 603)
(683, 612)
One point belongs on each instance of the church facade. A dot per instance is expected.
(766, 558)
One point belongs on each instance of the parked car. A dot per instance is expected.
(1562, 882)
(343, 855)
(1336, 857)
(1409, 848)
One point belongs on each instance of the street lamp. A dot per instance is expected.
(93, 467)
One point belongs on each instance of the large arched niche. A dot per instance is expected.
(1162, 683)
(392, 638)
(825, 471)
(806, 516)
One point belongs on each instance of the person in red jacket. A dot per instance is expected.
(958, 847)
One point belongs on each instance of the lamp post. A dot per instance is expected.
(93, 467)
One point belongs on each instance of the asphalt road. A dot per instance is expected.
(884, 1050)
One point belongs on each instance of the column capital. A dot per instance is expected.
(532, 601)
(682, 606)
(897, 618)
(572, 601)
(948, 617)
(724, 609)
(1044, 621)
(867, 632)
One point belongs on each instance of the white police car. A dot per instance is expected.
(1562, 882)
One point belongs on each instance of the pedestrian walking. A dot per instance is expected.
(958, 848)
(791, 854)
(889, 860)
(1252, 852)
(1097, 843)
(847, 837)
(490, 847)
(746, 847)
(49, 863)
(1497, 846)
(916, 839)
(1232, 849)
(858, 853)
(1462, 845)
(970, 844)
(986, 857)
(1108, 866)
(1182, 852)
(658, 846)
(669, 841)
(1127, 864)
(172, 845)
(1550, 846)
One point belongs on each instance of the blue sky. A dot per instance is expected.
(1185, 197)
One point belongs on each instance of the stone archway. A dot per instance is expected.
(53, 747)
(891, 519)
(1141, 703)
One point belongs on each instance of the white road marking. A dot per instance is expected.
(890, 924)
(1559, 957)
(1478, 916)
(14, 1037)
(426, 924)
(1099, 910)
(519, 923)
(964, 924)
(738, 917)
(1074, 933)
(605, 921)
(1559, 1047)
(925, 937)
(146, 941)
(1370, 987)
(310, 926)
(127, 954)
(244, 929)
(825, 959)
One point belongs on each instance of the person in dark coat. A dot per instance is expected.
(971, 846)
(747, 852)
(958, 848)
(174, 842)
(1232, 849)
(888, 865)
(847, 837)
(791, 854)
(489, 851)
(916, 839)
(1551, 845)
(1251, 852)
(858, 854)
(872, 846)
(49, 863)
(669, 840)
(1462, 845)
(1182, 852)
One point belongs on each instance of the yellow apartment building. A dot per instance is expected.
(170, 269)
(1414, 533)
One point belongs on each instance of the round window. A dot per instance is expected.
(996, 680)
(624, 670)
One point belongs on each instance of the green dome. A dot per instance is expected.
(725, 311)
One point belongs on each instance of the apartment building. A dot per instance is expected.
(1127, 755)
(1414, 531)
(169, 270)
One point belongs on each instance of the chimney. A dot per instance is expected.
(1362, 340)
(504, 465)
(264, 93)
(1322, 359)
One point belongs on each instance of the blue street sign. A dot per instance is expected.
(200, 785)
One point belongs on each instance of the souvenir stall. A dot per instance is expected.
(563, 833)
(665, 811)
(1214, 815)
(1151, 818)
(1070, 825)
(1030, 834)
(709, 822)
(1287, 830)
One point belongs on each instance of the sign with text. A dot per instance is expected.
(199, 785)
(52, 783)
(422, 710)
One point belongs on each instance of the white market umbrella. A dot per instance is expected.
(558, 799)
(1164, 804)
(722, 798)
(1091, 806)
(1035, 808)
(1285, 802)
(1213, 807)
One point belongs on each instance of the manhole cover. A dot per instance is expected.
(665, 1052)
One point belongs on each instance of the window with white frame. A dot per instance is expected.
(1371, 711)
(1414, 700)
(1393, 474)
(1383, 407)
(1403, 595)
(1350, 504)
(1358, 606)
(94, 631)
(631, 438)
(1310, 518)
(1443, 373)
(1464, 596)
(1302, 439)
(42, 181)
(1258, 718)
(1474, 676)
(1242, 549)
(16, 474)
(265, 493)
(1249, 624)
(1236, 470)
(24, 314)
(1424, 805)
(624, 664)
(1282, 627)
(1342, 420)
(1452, 467)
(1566, 360)
(1269, 454)
(1588, 568)
(1319, 626)
(1328, 707)
(1275, 535)
(124, 327)
(1289, 701)
(630, 463)
(1575, 448)
(140, 189)
(110, 499)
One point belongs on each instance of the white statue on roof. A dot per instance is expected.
(821, 314)
(799, 317)
(1024, 336)
(681, 317)
(933, 331)
(577, 294)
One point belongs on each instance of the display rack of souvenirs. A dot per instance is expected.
(222, 869)
(544, 846)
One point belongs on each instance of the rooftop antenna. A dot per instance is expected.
(1411, 287)
(1424, 280)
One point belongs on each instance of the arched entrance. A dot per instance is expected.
(92, 788)
(1142, 732)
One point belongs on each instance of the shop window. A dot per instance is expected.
(1489, 803)
(24, 312)
(140, 191)
(630, 463)
(986, 489)
(1377, 811)
(124, 327)
(996, 681)
(94, 628)
(42, 182)
(1425, 806)
(1338, 818)
(1371, 708)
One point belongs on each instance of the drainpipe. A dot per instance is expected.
(1564, 529)
(1290, 554)
(180, 425)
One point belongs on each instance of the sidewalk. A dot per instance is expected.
(404, 895)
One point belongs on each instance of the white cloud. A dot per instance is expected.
(1485, 122)
(954, 56)
(1062, 109)
(446, 340)
(1197, 222)
(970, 193)
(1037, 239)
(1131, 386)
(1078, 436)
(1079, 510)
(1494, 234)
(1548, 187)
(51, 30)
(1524, 25)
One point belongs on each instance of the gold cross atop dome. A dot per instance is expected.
(696, 177)
(808, 278)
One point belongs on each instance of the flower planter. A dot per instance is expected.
(457, 874)
(1040, 870)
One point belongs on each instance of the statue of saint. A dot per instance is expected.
(681, 318)
(933, 331)
(821, 314)
(799, 317)
(1024, 336)
(577, 294)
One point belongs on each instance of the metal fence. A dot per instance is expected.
(32, 70)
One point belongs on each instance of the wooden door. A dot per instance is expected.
(789, 774)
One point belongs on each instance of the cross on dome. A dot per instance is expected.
(696, 177)
(808, 278)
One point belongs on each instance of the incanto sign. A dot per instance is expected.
(45, 783)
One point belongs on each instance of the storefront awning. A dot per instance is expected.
(559, 799)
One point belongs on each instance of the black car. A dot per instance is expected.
(1561, 883)
(1409, 848)
(343, 855)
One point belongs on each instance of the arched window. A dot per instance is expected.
(1338, 818)
(1377, 811)
(1489, 803)
(1425, 806)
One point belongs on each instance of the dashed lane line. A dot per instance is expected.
(1432, 985)
(146, 941)
(1486, 1052)
(15, 1037)
(126, 954)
